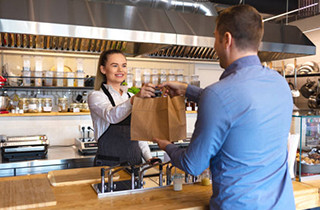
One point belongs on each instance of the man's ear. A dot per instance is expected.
(227, 38)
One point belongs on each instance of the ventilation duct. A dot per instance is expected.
(84, 26)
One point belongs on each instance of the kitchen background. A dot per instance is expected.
(63, 129)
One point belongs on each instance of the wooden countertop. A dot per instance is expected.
(195, 196)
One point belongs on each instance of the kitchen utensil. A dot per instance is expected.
(4, 103)
(308, 89)
(295, 92)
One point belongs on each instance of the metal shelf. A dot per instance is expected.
(304, 75)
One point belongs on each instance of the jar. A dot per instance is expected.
(80, 78)
(40, 104)
(163, 78)
(48, 78)
(38, 78)
(205, 177)
(129, 80)
(171, 77)
(23, 104)
(85, 107)
(70, 80)
(33, 106)
(46, 105)
(63, 104)
(26, 74)
(155, 79)
(74, 107)
(195, 80)
(59, 79)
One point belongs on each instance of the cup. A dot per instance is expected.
(177, 182)
(205, 178)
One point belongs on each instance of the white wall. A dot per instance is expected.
(60, 130)
(208, 73)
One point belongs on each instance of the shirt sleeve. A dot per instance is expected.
(102, 107)
(193, 93)
(145, 149)
(209, 135)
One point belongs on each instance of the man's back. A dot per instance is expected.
(250, 168)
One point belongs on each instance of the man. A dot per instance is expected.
(243, 122)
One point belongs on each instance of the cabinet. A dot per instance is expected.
(307, 125)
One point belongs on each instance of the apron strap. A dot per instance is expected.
(109, 95)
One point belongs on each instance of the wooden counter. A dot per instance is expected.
(195, 196)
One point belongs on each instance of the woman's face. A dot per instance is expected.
(115, 69)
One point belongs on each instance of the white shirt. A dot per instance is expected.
(103, 113)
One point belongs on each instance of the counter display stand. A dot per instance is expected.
(306, 123)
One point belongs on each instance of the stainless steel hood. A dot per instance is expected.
(93, 26)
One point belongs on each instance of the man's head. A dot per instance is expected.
(239, 27)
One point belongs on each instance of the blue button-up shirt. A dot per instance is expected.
(241, 132)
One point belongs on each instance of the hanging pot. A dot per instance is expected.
(308, 89)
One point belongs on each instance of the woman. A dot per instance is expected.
(110, 106)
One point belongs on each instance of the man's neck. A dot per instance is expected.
(239, 54)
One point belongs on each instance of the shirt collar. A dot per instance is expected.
(112, 90)
(250, 60)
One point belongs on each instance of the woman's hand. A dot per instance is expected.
(147, 91)
(154, 160)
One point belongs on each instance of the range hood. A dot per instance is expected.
(84, 26)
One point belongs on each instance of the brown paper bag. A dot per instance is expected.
(162, 117)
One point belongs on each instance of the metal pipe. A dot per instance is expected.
(189, 6)
(102, 180)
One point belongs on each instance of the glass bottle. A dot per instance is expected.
(63, 104)
(47, 105)
(23, 104)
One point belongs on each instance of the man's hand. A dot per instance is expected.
(174, 88)
(161, 143)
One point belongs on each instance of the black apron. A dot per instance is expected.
(114, 145)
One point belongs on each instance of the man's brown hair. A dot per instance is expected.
(245, 25)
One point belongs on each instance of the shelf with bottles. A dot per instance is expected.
(306, 124)
(43, 82)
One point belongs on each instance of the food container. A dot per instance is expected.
(79, 82)
(48, 78)
(38, 78)
(74, 107)
(23, 104)
(59, 79)
(70, 79)
(33, 105)
(63, 104)
(4, 103)
(46, 105)
(40, 104)
(129, 80)
(155, 79)
(85, 107)
(26, 74)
